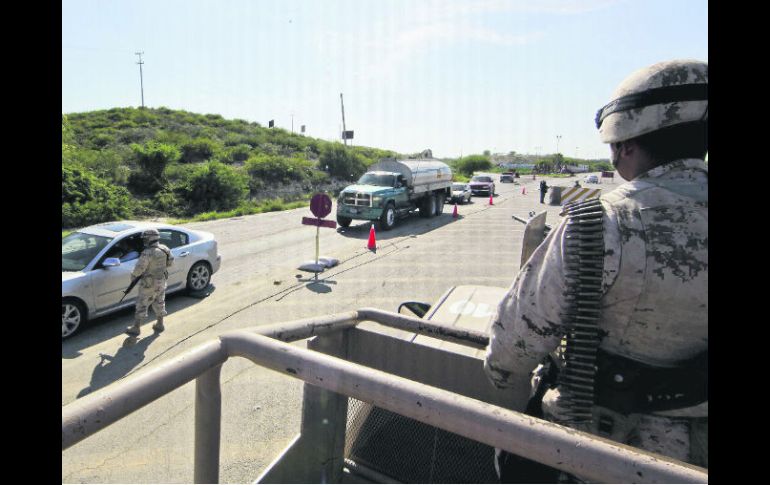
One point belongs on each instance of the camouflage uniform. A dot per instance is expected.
(152, 267)
(654, 303)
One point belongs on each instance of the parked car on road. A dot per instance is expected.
(591, 179)
(460, 193)
(506, 177)
(97, 261)
(482, 184)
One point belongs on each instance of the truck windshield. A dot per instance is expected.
(381, 180)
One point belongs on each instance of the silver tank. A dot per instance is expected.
(416, 172)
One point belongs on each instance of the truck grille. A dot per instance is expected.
(357, 199)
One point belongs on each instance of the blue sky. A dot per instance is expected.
(458, 77)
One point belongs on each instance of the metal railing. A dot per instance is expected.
(575, 452)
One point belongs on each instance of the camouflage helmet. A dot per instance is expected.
(150, 235)
(662, 95)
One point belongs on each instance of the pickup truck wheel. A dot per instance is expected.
(428, 207)
(73, 317)
(344, 221)
(388, 218)
(439, 204)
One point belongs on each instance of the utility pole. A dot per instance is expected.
(344, 138)
(292, 123)
(141, 79)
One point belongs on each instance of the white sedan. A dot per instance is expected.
(97, 262)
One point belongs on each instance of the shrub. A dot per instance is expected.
(215, 186)
(341, 162)
(198, 150)
(238, 153)
(169, 202)
(86, 199)
(273, 168)
(152, 159)
(472, 163)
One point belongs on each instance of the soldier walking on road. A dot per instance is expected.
(152, 269)
(633, 367)
(543, 190)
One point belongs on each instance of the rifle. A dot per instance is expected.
(130, 287)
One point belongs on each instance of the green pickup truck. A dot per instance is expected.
(394, 188)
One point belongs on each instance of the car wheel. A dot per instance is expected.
(73, 317)
(344, 221)
(388, 219)
(199, 276)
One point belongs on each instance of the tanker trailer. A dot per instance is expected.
(394, 188)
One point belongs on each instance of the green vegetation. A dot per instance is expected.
(131, 163)
(247, 208)
(472, 163)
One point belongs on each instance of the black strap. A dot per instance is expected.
(627, 386)
(667, 94)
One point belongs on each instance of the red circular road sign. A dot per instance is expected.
(320, 205)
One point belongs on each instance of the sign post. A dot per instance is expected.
(320, 206)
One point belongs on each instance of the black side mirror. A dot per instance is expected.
(416, 307)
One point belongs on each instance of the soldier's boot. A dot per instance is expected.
(133, 330)
(158, 327)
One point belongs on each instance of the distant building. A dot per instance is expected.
(576, 168)
(512, 166)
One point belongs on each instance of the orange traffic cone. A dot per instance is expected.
(491, 202)
(372, 240)
(454, 212)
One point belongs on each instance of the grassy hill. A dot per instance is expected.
(135, 163)
(138, 163)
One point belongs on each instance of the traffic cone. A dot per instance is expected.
(454, 212)
(372, 240)
(491, 202)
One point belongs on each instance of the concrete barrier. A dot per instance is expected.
(579, 194)
(554, 195)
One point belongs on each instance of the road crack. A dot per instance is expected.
(132, 446)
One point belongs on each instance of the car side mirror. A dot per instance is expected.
(416, 307)
(111, 262)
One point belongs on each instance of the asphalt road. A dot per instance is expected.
(257, 285)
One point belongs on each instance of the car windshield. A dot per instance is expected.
(381, 180)
(480, 178)
(458, 187)
(78, 249)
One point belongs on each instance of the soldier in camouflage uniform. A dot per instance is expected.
(152, 267)
(652, 296)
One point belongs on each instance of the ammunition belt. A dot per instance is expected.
(628, 386)
(584, 268)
